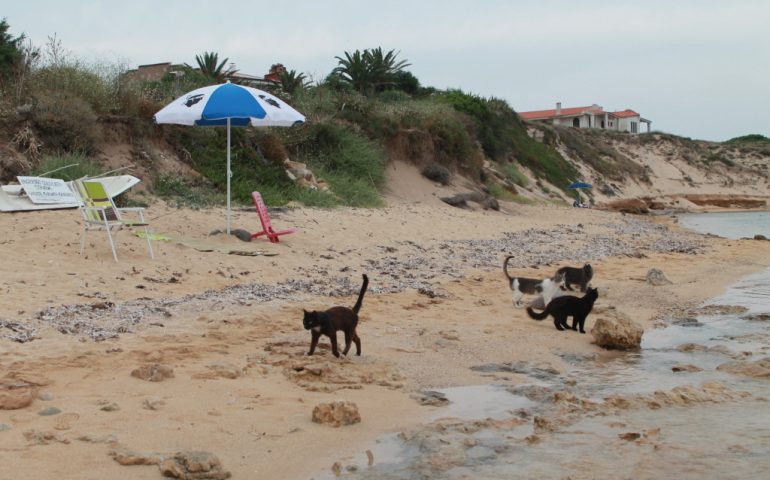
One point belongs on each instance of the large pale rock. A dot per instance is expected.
(336, 414)
(616, 331)
(656, 278)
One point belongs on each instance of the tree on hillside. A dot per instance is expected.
(211, 67)
(292, 82)
(10, 50)
(371, 70)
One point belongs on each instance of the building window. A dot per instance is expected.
(633, 127)
(576, 122)
(602, 123)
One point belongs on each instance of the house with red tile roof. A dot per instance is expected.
(593, 116)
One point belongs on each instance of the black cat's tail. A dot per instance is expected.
(360, 300)
(537, 316)
(505, 268)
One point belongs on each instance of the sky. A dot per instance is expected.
(696, 68)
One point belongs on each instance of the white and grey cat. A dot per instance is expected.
(531, 286)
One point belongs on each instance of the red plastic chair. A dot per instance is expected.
(264, 217)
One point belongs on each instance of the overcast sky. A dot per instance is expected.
(697, 68)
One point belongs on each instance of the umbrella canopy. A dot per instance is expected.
(580, 185)
(229, 105)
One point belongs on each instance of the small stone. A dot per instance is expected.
(4, 427)
(336, 414)
(629, 436)
(153, 403)
(49, 411)
(110, 407)
(45, 397)
(153, 372)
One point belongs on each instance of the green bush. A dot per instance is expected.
(513, 174)
(65, 123)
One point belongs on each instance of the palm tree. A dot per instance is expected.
(292, 82)
(211, 67)
(370, 70)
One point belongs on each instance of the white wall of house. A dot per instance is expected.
(624, 124)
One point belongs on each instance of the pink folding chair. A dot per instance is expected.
(264, 217)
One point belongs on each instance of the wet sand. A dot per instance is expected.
(229, 325)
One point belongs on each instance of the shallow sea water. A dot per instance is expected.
(721, 440)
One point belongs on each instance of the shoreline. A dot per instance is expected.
(243, 388)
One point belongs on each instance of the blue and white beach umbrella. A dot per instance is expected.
(228, 105)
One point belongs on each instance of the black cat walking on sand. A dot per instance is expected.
(328, 322)
(568, 306)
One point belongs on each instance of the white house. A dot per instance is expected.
(590, 117)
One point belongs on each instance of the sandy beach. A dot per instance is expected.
(226, 317)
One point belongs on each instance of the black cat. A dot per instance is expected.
(577, 276)
(568, 306)
(330, 321)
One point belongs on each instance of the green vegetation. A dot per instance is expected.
(752, 138)
(210, 66)
(370, 71)
(70, 166)
(512, 173)
(10, 51)
(293, 82)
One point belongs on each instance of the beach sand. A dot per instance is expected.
(230, 325)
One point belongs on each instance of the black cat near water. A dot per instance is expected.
(568, 306)
(328, 322)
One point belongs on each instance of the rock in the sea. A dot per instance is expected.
(194, 466)
(432, 398)
(758, 369)
(336, 414)
(686, 367)
(656, 278)
(153, 372)
(617, 332)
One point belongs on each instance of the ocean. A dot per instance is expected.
(677, 408)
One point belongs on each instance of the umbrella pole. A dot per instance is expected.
(228, 176)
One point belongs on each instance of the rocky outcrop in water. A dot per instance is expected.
(758, 369)
(616, 331)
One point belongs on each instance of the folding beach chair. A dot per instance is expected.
(100, 213)
(264, 217)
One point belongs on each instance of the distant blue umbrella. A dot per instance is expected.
(229, 104)
(580, 185)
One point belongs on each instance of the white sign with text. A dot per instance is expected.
(47, 190)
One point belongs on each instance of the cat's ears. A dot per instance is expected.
(305, 311)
